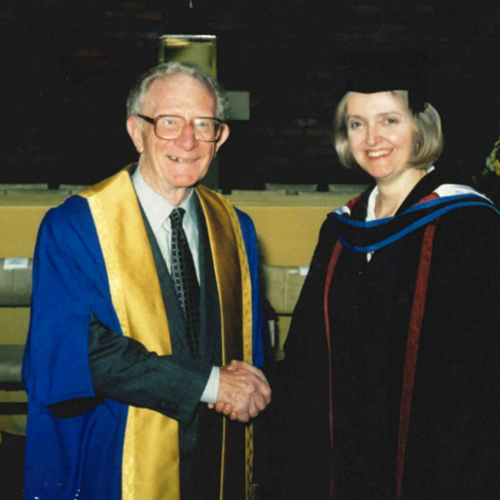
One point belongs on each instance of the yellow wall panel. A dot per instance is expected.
(287, 235)
(14, 323)
(20, 218)
(288, 226)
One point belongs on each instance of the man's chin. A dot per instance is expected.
(187, 180)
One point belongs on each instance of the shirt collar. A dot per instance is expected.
(157, 208)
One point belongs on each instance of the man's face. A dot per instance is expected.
(171, 166)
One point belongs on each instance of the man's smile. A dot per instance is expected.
(180, 160)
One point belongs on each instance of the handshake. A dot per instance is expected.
(243, 391)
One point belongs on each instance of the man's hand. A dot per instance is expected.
(243, 391)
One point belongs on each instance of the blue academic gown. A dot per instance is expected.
(66, 458)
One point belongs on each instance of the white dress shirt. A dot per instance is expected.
(158, 210)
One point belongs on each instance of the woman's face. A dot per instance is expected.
(380, 134)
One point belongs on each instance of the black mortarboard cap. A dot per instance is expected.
(380, 72)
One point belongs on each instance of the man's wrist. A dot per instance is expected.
(212, 388)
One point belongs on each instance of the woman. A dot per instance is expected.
(391, 362)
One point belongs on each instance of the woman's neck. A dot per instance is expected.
(392, 193)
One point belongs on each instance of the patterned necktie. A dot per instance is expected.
(184, 277)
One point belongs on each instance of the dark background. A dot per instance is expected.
(67, 66)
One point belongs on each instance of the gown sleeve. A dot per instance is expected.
(454, 439)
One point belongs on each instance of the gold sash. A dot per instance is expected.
(150, 469)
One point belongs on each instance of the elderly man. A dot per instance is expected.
(144, 285)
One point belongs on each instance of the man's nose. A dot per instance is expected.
(187, 139)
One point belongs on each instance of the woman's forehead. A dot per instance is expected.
(374, 103)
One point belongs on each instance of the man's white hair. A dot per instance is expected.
(135, 101)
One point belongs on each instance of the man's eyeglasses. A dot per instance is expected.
(171, 127)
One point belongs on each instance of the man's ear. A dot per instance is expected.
(135, 132)
(223, 138)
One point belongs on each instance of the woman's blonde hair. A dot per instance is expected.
(427, 140)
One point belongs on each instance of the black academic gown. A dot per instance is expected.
(453, 443)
